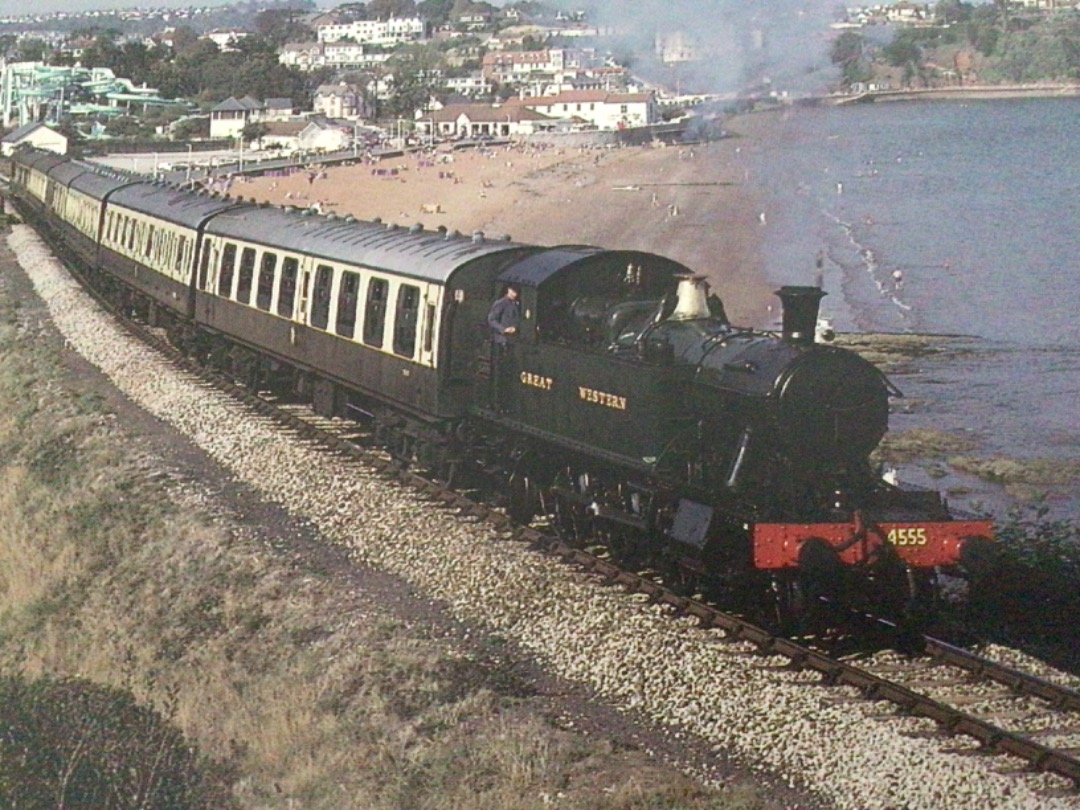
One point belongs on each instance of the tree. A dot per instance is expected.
(417, 72)
(191, 128)
(953, 11)
(351, 12)
(30, 50)
(280, 25)
(385, 9)
(903, 52)
(436, 12)
(848, 53)
(125, 126)
(254, 131)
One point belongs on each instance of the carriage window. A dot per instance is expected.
(148, 248)
(348, 295)
(287, 293)
(130, 234)
(204, 265)
(247, 275)
(429, 328)
(408, 307)
(375, 312)
(225, 270)
(265, 291)
(181, 246)
(320, 307)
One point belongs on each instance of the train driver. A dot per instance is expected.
(504, 317)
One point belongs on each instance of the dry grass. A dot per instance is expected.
(111, 572)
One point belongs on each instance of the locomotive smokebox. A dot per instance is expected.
(800, 313)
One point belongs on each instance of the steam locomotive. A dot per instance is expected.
(626, 408)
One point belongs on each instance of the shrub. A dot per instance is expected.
(70, 743)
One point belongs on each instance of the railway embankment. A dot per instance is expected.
(131, 558)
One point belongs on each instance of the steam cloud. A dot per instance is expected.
(740, 44)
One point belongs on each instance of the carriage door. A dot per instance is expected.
(303, 290)
(429, 324)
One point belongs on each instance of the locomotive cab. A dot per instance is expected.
(573, 371)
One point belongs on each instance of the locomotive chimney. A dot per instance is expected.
(800, 313)
(692, 302)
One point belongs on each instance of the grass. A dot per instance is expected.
(113, 573)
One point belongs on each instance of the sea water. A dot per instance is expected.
(958, 218)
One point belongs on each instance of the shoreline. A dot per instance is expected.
(960, 93)
(695, 204)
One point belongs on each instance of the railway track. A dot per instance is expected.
(1006, 711)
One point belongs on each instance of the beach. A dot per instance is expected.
(692, 203)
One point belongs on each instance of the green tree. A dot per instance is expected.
(417, 72)
(191, 128)
(904, 52)
(953, 11)
(437, 12)
(281, 25)
(30, 49)
(848, 53)
(385, 9)
(125, 126)
(254, 131)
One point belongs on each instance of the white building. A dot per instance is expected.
(600, 109)
(37, 135)
(310, 56)
(473, 120)
(472, 85)
(340, 100)
(376, 32)
(226, 40)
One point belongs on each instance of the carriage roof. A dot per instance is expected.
(429, 255)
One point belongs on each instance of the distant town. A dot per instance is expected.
(288, 76)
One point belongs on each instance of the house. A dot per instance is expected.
(474, 120)
(226, 40)
(599, 108)
(34, 134)
(324, 134)
(377, 32)
(906, 12)
(277, 109)
(516, 66)
(283, 134)
(229, 117)
(473, 84)
(302, 55)
(340, 100)
(341, 55)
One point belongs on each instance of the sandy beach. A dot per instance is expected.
(692, 204)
